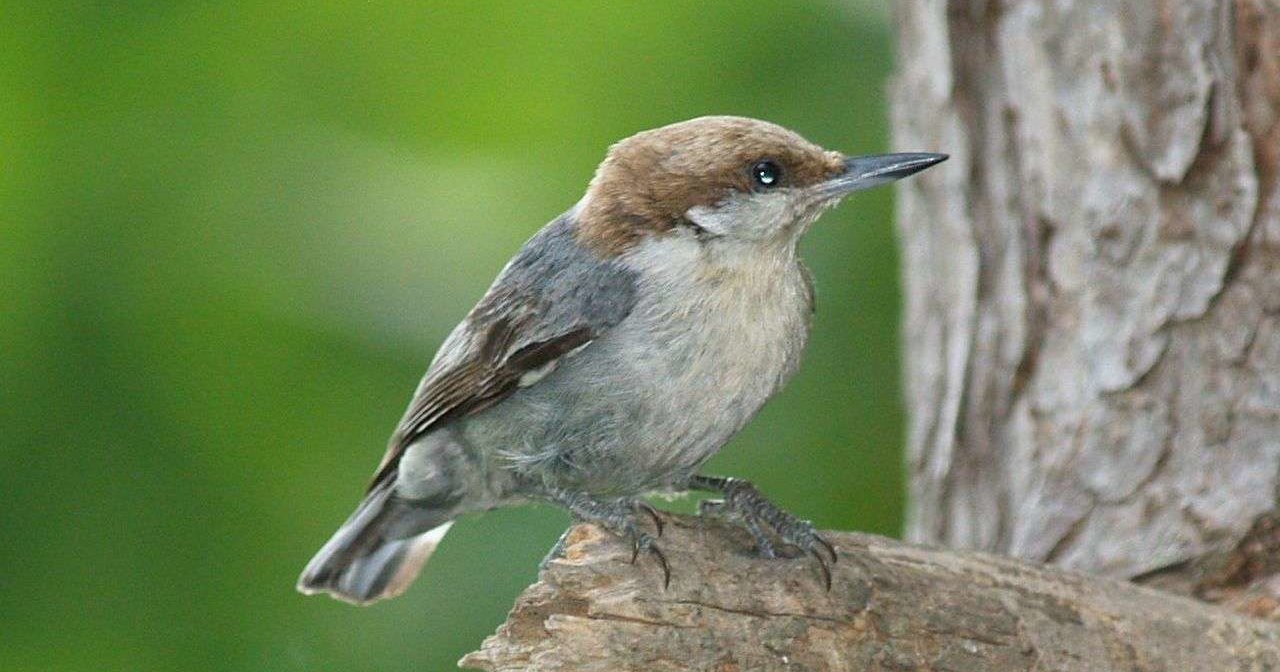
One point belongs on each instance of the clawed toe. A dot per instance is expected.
(812, 544)
(822, 565)
(802, 535)
(744, 503)
(653, 514)
(643, 542)
(619, 516)
(831, 550)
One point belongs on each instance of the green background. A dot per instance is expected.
(233, 233)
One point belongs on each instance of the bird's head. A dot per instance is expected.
(724, 181)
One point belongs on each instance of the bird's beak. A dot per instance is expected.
(864, 172)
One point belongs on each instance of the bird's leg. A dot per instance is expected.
(744, 503)
(620, 516)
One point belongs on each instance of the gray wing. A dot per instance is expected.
(554, 297)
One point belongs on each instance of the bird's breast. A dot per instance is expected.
(642, 406)
(707, 345)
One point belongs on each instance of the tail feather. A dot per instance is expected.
(378, 552)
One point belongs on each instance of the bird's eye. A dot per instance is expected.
(766, 174)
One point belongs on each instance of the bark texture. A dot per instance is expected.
(892, 607)
(1093, 284)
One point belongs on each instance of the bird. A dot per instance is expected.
(621, 347)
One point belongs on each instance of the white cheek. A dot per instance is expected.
(672, 255)
(751, 216)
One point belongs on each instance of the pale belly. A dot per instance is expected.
(644, 406)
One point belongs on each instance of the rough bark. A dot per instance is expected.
(1093, 285)
(892, 607)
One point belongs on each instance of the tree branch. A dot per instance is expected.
(892, 607)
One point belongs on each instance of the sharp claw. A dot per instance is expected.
(666, 569)
(642, 542)
(826, 571)
(742, 500)
(653, 514)
(827, 545)
(619, 517)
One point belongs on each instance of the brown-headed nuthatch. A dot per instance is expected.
(621, 347)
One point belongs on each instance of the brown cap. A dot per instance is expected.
(650, 180)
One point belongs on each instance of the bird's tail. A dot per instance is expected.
(378, 552)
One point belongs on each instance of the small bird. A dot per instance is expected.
(620, 348)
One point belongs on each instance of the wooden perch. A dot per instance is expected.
(893, 606)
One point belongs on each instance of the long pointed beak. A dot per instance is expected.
(864, 172)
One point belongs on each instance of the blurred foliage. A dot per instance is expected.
(233, 233)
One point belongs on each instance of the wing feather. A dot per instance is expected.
(554, 297)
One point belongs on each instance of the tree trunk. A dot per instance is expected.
(1093, 283)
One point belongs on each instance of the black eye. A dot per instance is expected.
(766, 174)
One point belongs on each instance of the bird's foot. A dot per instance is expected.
(744, 503)
(621, 517)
